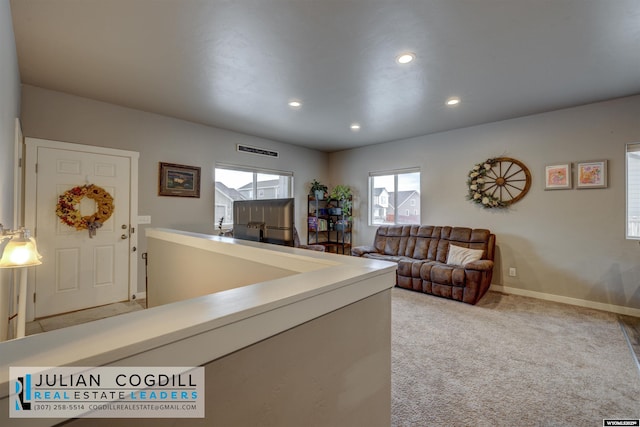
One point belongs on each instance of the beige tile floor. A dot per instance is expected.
(83, 316)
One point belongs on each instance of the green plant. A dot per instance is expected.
(342, 193)
(317, 186)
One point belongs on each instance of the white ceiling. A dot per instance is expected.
(234, 64)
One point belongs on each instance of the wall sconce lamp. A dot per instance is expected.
(18, 250)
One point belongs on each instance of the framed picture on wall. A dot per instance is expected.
(592, 174)
(179, 180)
(557, 176)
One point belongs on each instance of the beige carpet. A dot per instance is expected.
(508, 361)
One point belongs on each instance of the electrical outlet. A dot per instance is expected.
(512, 272)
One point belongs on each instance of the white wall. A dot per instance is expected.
(9, 111)
(569, 243)
(54, 115)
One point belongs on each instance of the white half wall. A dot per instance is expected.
(336, 368)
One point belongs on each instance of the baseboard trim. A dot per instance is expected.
(618, 309)
(140, 295)
(633, 352)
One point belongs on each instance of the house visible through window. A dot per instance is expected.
(394, 197)
(236, 183)
(633, 191)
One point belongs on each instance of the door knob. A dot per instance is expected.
(123, 237)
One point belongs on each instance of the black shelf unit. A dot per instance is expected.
(327, 225)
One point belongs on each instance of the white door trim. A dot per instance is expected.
(32, 145)
(18, 176)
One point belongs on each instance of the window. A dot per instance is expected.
(394, 197)
(238, 183)
(633, 191)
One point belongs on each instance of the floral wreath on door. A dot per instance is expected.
(70, 215)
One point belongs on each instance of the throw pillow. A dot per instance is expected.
(460, 256)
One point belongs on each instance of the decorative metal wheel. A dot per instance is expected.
(508, 180)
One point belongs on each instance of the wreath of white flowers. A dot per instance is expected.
(68, 213)
(476, 186)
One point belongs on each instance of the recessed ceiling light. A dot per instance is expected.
(453, 101)
(355, 127)
(294, 103)
(405, 58)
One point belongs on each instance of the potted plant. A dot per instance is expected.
(317, 190)
(342, 194)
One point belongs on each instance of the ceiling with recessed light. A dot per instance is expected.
(237, 64)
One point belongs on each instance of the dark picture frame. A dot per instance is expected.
(179, 180)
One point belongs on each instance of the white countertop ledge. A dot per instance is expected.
(211, 325)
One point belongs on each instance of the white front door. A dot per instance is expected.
(79, 271)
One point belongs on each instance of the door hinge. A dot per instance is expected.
(20, 162)
(34, 297)
(36, 168)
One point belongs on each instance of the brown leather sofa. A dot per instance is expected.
(422, 253)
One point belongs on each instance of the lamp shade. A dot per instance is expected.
(20, 251)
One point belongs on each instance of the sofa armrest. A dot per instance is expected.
(361, 250)
(481, 265)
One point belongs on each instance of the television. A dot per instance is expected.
(266, 220)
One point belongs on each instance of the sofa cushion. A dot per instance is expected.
(396, 240)
(446, 275)
(461, 256)
(425, 248)
(412, 267)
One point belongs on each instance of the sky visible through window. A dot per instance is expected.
(406, 181)
(233, 179)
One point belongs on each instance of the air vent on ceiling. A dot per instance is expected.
(256, 150)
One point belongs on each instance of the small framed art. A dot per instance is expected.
(592, 174)
(179, 180)
(557, 177)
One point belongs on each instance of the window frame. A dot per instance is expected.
(633, 147)
(254, 187)
(394, 199)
